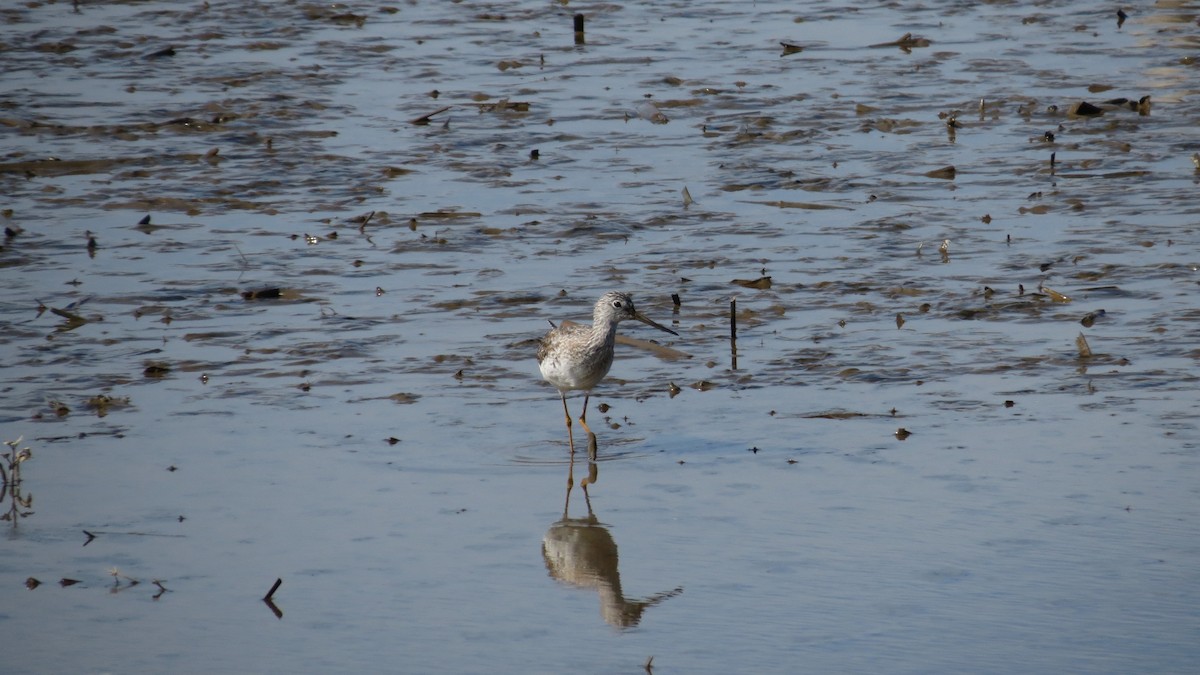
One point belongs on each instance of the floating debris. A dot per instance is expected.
(1085, 350)
(160, 54)
(761, 283)
(1084, 109)
(156, 370)
(1055, 295)
(102, 403)
(446, 213)
(74, 320)
(810, 206)
(944, 173)
(504, 105)
(790, 48)
(425, 119)
(263, 294)
(650, 112)
(906, 42)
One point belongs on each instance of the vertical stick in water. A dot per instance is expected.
(579, 39)
(733, 331)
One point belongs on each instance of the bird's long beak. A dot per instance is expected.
(650, 322)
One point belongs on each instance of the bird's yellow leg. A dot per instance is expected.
(567, 413)
(583, 415)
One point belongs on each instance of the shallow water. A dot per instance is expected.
(767, 518)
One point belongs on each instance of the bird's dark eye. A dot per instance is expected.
(617, 304)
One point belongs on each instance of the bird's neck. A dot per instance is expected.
(604, 334)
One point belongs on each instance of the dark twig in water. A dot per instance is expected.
(274, 587)
(733, 331)
(425, 119)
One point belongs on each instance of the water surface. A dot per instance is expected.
(313, 322)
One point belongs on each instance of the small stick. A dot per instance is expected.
(733, 331)
(274, 588)
(424, 119)
(579, 37)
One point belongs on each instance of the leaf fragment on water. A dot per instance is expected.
(650, 112)
(761, 283)
(906, 42)
(810, 206)
(945, 173)
(1055, 295)
(1081, 343)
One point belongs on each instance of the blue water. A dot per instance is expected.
(1041, 517)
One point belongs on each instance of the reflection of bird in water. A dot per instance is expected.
(576, 358)
(581, 552)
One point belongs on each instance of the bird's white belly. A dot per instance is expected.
(566, 374)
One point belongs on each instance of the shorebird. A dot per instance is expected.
(577, 357)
